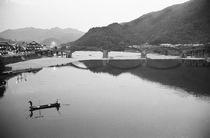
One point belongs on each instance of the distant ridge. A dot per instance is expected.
(188, 22)
(42, 35)
(6, 40)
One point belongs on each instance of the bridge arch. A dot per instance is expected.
(162, 50)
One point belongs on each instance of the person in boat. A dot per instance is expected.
(56, 104)
(30, 102)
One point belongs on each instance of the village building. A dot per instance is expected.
(34, 46)
(6, 47)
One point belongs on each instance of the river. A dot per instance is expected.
(110, 99)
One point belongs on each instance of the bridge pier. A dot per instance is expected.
(69, 54)
(56, 53)
(183, 54)
(105, 53)
(143, 55)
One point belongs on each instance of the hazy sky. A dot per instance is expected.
(79, 14)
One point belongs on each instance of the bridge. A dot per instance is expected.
(143, 51)
(163, 50)
(203, 51)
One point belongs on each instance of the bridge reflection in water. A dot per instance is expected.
(192, 76)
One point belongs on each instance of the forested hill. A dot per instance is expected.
(42, 35)
(188, 22)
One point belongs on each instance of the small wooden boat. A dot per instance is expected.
(52, 105)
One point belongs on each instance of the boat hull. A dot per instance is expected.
(54, 105)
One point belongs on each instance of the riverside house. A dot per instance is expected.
(6, 48)
(34, 46)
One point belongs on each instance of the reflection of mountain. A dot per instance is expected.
(191, 79)
(113, 67)
(192, 76)
(98, 66)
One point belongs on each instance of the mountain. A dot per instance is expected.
(51, 42)
(188, 22)
(3, 39)
(7, 40)
(42, 35)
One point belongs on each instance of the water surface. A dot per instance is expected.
(110, 98)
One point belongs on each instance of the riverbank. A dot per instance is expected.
(39, 63)
(19, 58)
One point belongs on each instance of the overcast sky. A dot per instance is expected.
(78, 14)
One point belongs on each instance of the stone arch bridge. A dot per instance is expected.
(142, 51)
